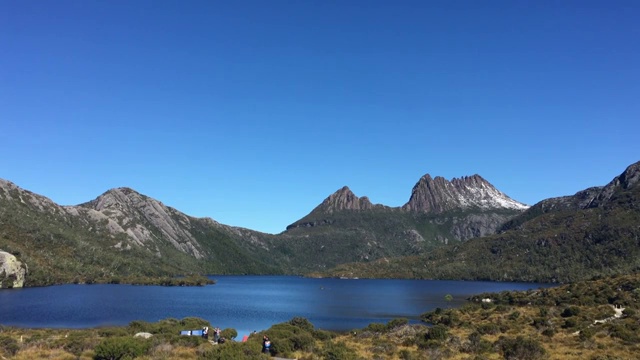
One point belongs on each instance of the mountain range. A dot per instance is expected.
(123, 233)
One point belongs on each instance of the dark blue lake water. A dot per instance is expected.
(245, 303)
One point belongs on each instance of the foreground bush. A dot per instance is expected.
(121, 348)
(234, 350)
(520, 348)
(8, 345)
(338, 351)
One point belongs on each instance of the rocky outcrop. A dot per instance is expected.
(625, 181)
(12, 271)
(145, 220)
(477, 225)
(438, 195)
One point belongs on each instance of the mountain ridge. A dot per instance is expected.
(592, 233)
(123, 232)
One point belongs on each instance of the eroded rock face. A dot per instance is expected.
(344, 199)
(438, 195)
(145, 220)
(12, 271)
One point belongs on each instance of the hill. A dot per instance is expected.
(120, 234)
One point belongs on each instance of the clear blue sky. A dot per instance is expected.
(252, 112)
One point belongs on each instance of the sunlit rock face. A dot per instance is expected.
(12, 271)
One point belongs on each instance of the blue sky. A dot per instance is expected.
(253, 112)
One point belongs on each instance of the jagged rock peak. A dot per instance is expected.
(628, 179)
(437, 195)
(345, 199)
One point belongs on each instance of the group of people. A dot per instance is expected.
(266, 342)
(216, 334)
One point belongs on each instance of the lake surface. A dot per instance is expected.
(245, 303)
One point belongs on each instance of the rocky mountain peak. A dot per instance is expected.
(625, 181)
(437, 195)
(119, 198)
(630, 177)
(144, 218)
(345, 199)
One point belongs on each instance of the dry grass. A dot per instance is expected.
(37, 353)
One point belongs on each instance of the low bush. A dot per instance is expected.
(8, 345)
(302, 323)
(570, 311)
(121, 348)
(520, 348)
(229, 333)
(488, 329)
(437, 333)
(233, 350)
(337, 351)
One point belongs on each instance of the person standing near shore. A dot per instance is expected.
(266, 345)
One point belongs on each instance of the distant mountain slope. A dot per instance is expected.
(348, 228)
(594, 232)
(121, 233)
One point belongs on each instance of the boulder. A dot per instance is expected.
(144, 335)
(12, 271)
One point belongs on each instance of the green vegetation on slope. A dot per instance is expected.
(562, 244)
(363, 236)
(61, 248)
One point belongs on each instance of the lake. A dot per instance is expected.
(245, 303)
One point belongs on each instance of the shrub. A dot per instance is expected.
(229, 333)
(287, 338)
(520, 348)
(323, 335)
(338, 351)
(191, 323)
(488, 329)
(302, 323)
(76, 343)
(113, 332)
(586, 334)
(549, 332)
(392, 324)
(118, 348)
(570, 311)
(629, 312)
(624, 333)
(384, 347)
(376, 327)
(233, 350)
(514, 315)
(8, 345)
(570, 323)
(477, 344)
(437, 333)
(405, 354)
